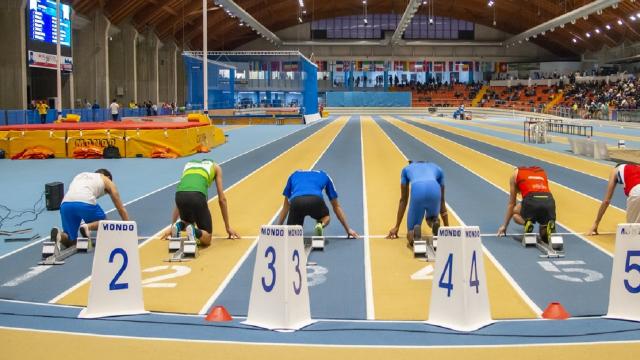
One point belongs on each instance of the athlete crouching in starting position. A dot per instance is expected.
(192, 211)
(629, 176)
(303, 197)
(427, 198)
(79, 204)
(538, 205)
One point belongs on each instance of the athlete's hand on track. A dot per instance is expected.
(502, 231)
(393, 233)
(593, 230)
(351, 234)
(232, 234)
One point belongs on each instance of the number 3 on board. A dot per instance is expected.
(265, 286)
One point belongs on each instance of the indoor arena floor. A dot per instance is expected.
(369, 295)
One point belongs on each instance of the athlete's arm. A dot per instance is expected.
(502, 231)
(343, 219)
(111, 189)
(222, 202)
(284, 211)
(402, 206)
(443, 208)
(605, 202)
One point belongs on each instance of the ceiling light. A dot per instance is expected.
(431, 21)
(608, 27)
(490, 3)
(301, 3)
(364, 1)
(638, 15)
(574, 40)
(304, 11)
(597, 31)
(619, 22)
(633, 18)
(588, 35)
(424, 3)
(299, 19)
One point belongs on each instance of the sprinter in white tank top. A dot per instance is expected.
(80, 204)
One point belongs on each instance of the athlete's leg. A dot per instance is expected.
(71, 216)
(517, 217)
(414, 217)
(633, 209)
(194, 210)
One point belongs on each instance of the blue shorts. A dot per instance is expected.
(424, 202)
(72, 213)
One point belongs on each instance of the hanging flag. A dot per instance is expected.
(338, 66)
(379, 66)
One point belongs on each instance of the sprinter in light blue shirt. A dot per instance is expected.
(425, 181)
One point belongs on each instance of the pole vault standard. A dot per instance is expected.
(205, 65)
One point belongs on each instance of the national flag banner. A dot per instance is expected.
(405, 65)
(366, 66)
(450, 66)
(322, 65)
(419, 66)
(397, 66)
(477, 64)
(347, 66)
(379, 66)
(275, 66)
(358, 66)
(290, 66)
(339, 66)
(487, 66)
(438, 66)
(465, 67)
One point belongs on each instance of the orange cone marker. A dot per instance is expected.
(555, 311)
(218, 314)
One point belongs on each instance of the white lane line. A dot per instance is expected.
(571, 231)
(162, 188)
(502, 270)
(163, 230)
(36, 270)
(368, 280)
(240, 261)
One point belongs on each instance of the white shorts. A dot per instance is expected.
(633, 209)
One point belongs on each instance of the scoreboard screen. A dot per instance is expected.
(43, 22)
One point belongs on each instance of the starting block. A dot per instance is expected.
(424, 246)
(182, 249)
(52, 255)
(554, 249)
(317, 242)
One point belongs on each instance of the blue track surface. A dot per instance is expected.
(475, 200)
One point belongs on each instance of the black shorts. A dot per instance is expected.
(307, 205)
(538, 207)
(193, 209)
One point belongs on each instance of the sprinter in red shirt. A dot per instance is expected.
(629, 176)
(537, 206)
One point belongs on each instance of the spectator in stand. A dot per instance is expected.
(87, 104)
(133, 105)
(43, 109)
(115, 109)
(95, 105)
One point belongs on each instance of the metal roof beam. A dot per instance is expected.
(405, 20)
(572, 16)
(236, 10)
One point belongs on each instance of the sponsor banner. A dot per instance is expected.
(48, 61)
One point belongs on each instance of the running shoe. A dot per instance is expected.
(176, 228)
(528, 226)
(550, 228)
(319, 229)
(435, 227)
(56, 236)
(84, 231)
(191, 234)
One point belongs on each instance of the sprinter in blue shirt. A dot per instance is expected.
(427, 198)
(303, 197)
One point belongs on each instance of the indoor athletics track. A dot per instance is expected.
(370, 295)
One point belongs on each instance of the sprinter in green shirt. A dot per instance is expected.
(192, 211)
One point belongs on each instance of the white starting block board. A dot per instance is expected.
(116, 285)
(182, 249)
(51, 255)
(624, 293)
(424, 246)
(317, 242)
(279, 295)
(459, 294)
(555, 248)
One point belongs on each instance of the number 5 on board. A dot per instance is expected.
(116, 284)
